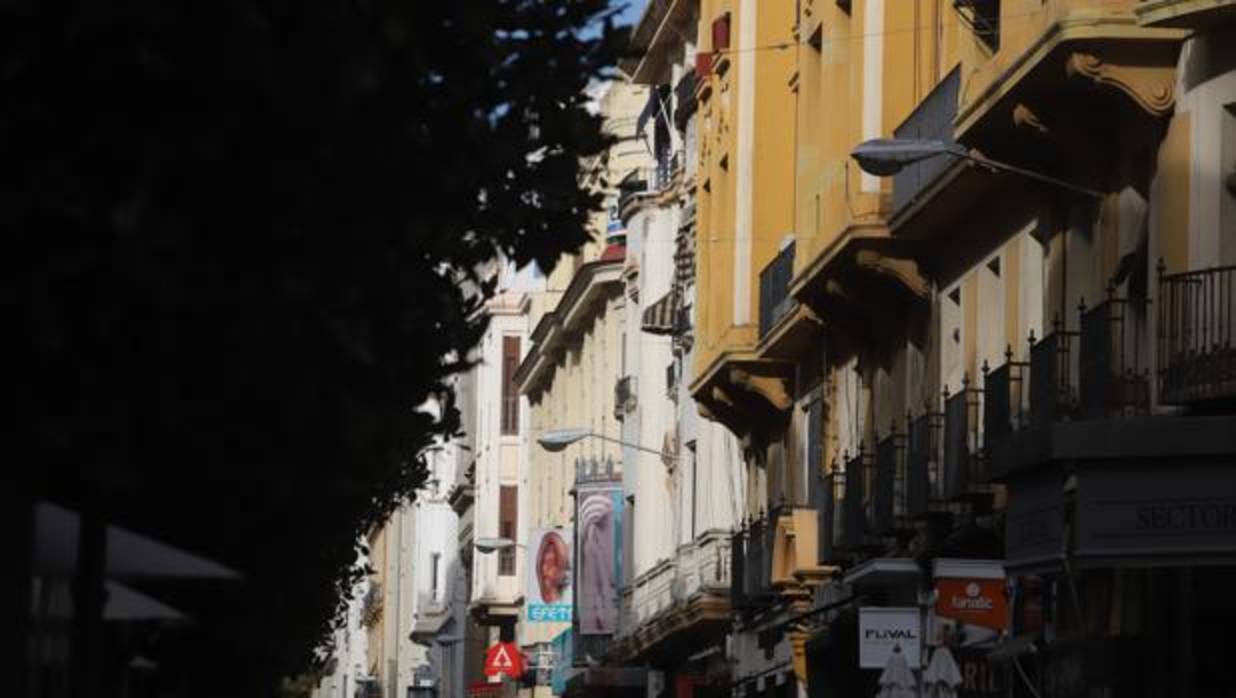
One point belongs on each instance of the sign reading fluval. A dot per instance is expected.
(881, 631)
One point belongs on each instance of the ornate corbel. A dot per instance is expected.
(1151, 87)
(770, 388)
(905, 271)
(1024, 117)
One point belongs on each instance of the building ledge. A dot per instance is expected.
(593, 281)
(1154, 437)
(686, 627)
(792, 336)
(862, 276)
(1185, 14)
(743, 391)
(1110, 38)
(662, 26)
(884, 572)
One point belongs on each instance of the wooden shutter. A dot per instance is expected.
(510, 391)
(508, 517)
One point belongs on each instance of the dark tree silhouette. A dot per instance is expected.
(238, 233)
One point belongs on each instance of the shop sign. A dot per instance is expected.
(1181, 511)
(881, 631)
(504, 658)
(484, 689)
(982, 602)
(978, 678)
(1034, 525)
(548, 592)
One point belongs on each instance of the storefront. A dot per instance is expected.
(1123, 576)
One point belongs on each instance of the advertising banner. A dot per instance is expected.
(599, 525)
(881, 631)
(548, 594)
(564, 658)
(979, 602)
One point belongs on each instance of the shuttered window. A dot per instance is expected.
(508, 515)
(510, 391)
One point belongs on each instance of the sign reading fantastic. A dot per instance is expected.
(980, 602)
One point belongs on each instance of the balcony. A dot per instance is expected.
(632, 185)
(923, 464)
(1112, 376)
(624, 397)
(1189, 14)
(827, 495)
(775, 299)
(1005, 408)
(682, 594)
(751, 565)
(1197, 326)
(932, 119)
(889, 506)
(856, 508)
(1052, 396)
(961, 440)
(1005, 394)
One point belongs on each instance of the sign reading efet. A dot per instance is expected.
(548, 595)
(880, 630)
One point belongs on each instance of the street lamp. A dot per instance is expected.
(556, 440)
(493, 545)
(885, 157)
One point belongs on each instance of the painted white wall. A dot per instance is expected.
(351, 646)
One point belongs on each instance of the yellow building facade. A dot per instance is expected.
(880, 342)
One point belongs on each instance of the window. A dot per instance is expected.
(510, 391)
(1227, 197)
(983, 16)
(435, 585)
(508, 514)
(721, 33)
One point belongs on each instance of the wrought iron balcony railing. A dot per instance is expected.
(923, 463)
(856, 508)
(932, 119)
(1113, 379)
(1004, 403)
(1197, 335)
(829, 500)
(1052, 395)
(751, 564)
(775, 300)
(961, 441)
(633, 184)
(888, 497)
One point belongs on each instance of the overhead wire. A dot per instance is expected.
(1004, 19)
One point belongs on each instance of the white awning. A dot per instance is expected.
(129, 555)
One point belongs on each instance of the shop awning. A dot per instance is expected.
(1013, 648)
(659, 317)
(129, 555)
